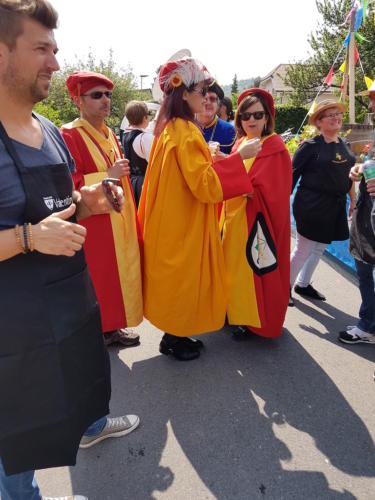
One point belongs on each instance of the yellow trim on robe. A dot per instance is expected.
(123, 225)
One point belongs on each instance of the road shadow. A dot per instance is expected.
(224, 409)
(334, 320)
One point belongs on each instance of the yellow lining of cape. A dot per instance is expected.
(123, 225)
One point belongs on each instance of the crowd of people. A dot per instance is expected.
(208, 245)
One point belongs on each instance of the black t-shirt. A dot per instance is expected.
(323, 166)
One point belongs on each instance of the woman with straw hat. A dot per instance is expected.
(323, 165)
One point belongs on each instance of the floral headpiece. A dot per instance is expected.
(187, 71)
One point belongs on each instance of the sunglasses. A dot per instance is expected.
(212, 98)
(99, 94)
(202, 91)
(258, 115)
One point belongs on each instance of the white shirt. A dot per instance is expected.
(142, 143)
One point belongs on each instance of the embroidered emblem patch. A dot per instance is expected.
(260, 248)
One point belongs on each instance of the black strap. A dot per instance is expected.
(10, 148)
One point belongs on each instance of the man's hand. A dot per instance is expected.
(94, 202)
(119, 169)
(54, 235)
(355, 173)
(370, 184)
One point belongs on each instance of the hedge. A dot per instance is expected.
(289, 117)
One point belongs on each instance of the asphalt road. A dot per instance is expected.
(291, 418)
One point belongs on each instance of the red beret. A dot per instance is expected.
(80, 82)
(261, 92)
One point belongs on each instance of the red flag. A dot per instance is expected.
(328, 80)
(356, 55)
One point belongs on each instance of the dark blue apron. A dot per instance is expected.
(54, 367)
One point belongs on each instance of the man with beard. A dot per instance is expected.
(54, 367)
(214, 128)
(111, 247)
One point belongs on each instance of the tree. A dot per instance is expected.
(59, 107)
(234, 89)
(307, 76)
(257, 80)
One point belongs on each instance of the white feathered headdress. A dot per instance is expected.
(188, 71)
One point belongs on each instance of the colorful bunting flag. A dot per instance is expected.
(364, 5)
(360, 37)
(356, 57)
(368, 82)
(328, 80)
(312, 108)
(358, 19)
(347, 39)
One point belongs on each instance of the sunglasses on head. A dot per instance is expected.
(98, 94)
(258, 115)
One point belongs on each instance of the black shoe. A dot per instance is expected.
(177, 347)
(240, 333)
(309, 291)
(193, 343)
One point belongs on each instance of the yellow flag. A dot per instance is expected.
(342, 67)
(312, 108)
(368, 82)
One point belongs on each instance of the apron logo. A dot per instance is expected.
(48, 200)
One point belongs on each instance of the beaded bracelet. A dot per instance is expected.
(27, 249)
(18, 238)
(30, 236)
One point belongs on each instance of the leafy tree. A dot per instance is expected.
(307, 76)
(257, 80)
(234, 89)
(59, 107)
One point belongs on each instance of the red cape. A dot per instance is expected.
(271, 178)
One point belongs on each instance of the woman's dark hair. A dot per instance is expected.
(174, 106)
(12, 14)
(227, 103)
(245, 104)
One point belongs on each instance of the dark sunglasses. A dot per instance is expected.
(212, 98)
(202, 91)
(99, 94)
(258, 115)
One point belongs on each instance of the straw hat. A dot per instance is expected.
(367, 92)
(323, 105)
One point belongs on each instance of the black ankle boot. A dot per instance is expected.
(193, 343)
(177, 347)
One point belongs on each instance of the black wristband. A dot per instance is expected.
(27, 249)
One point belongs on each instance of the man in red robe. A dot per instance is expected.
(112, 245)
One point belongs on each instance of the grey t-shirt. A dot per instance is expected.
(12, 196)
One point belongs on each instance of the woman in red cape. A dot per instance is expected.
(256, 234)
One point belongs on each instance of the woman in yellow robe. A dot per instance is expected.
(184, 284)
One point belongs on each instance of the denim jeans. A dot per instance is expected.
(23, 486)
(366, 276)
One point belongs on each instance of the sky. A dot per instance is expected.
(247, 38)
